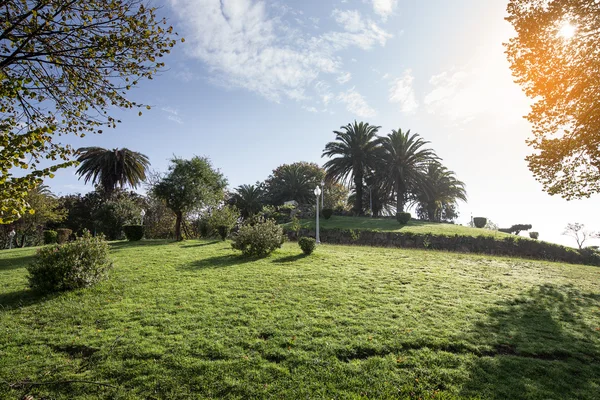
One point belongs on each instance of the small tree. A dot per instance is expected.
(189, 185)
(222, 220)
(577, 232)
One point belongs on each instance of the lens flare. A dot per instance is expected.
(567, 31)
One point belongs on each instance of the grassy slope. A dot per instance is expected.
(193, 320)
(390, 224)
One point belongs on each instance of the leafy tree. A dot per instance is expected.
(222, 220)
(559, 69)
(354, 152)
(295, 181)
(406, 159)
(64, 65)
(576, 231)
(438, 196)
(112, 168)
(46, 209)
(189, 185)
(249, 199)
(116, 212)
(334, 195)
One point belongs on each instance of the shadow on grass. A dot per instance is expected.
(289, 259)
(538, 346)
(203, 244)
(140, 243)
(8, 264)
(218, 262)
(22, 298)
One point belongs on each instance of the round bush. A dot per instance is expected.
(133, 233)
(50, 237)
(534, 235)
(327, 213)
(77, 264)
(479, 222)
(258, 239)
(307, 245)
(63, 235)
(403, 217)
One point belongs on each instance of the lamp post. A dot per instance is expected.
(142, 214)
(317, 193)
(323, 195)
(11, 237)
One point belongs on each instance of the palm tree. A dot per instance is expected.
(354, 149)
(405, 160)
(442, 189)
(294, 182)
(112, 168)
(249, 199)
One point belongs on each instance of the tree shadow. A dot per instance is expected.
(538, 345)
(219, 262)
(289, 259)
(140, 243)
(7, 264)
(23, 298)
(203, 244)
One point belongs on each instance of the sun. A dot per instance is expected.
(567, 31)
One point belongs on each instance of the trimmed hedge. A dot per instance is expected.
(50, 237)
(327, 213)
(133, 232)
(307, 245)
(403, 217)
(63, 235)
(507, 246)
(479, 222)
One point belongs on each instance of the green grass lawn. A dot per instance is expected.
(391, 225)
(194, 320)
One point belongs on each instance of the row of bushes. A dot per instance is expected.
(505, 246)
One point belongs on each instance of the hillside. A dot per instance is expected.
(391, 225)
(194, 320)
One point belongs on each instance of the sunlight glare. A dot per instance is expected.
(567, 31)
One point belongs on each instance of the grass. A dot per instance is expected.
(391, 225)
(195, 320)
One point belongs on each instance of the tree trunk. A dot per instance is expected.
(179, 218)
(358, 186)
(399, 197)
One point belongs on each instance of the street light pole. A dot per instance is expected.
(317, 193)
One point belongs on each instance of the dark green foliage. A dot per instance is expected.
(112, 168)
(516, 229)
(50, 237)
(353, 153)
(403, 217)
(437, 195)
(327, 213)
(189, 185)
(249, 199)
(258, 239)
(116, 212)
(133, 233)
(295, 181)
(222, 220)
(77, 264)
(479, 222)
(534, 235)
(307, 244)
(63, 235)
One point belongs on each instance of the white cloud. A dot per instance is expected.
(310, 109)
(344, 78)
(402, 92)
(384, 8)
(244, 46)
(356, 104)
(173, 114)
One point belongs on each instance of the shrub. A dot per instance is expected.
(534, 235)
(77, 264)
(222, 220)
(63, 235)
(403, 217)
(479, 222)
(258, 239)
(307, 245)
(133, 233)
(327, 213)
(50, 237)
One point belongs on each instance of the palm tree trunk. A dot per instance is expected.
(400, 191)
(358, 208)
(179, 218)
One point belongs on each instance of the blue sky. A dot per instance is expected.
(261, 83)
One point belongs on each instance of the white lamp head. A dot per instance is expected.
(317, 191)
